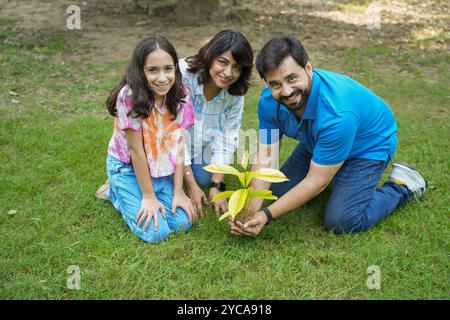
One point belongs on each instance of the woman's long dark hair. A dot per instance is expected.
(223, 41)
(134, 77)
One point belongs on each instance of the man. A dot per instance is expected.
(347, 136)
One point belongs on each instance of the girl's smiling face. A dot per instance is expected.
(224, 70)
(159, 70)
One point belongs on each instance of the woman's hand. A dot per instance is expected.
(197, 197)
(149, 208)
(220, 206)
(180, 199)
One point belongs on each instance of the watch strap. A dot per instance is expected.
(268, 215)
(218, 185)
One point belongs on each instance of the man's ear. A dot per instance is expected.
(309, 68)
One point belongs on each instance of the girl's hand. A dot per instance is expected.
(197, 197)
(220, 206)
(180, 199)
(149, 209)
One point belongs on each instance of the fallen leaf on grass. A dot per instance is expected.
(141, 23)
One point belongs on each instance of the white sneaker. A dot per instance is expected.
(102, 192)
(410, 177)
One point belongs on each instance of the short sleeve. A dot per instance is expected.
(335, 139)
(188, 118)
(269, 131)
(183, 66)
(188, 112)
(124, 104)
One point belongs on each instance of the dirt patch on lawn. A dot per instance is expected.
(111, 29)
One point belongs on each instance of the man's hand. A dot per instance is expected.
(220, 206)
(250, 228)
(197, 196)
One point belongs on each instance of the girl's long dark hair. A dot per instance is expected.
(134, 77)
(223, 41)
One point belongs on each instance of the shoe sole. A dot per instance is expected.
(101, 197)
(100, 194)
(406, 165)
(410, 167)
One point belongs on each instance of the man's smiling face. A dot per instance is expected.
(290, 84)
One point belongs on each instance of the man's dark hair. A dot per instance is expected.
(276, 50)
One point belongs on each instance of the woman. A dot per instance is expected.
(217, 78)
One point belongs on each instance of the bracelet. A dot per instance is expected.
(268, 215)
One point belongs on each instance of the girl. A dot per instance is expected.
(145, 160)
(217, 77)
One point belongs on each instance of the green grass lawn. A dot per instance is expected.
(54, 137)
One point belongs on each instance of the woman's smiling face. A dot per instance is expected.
(224, 70)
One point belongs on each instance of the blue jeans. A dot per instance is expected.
(355, 204)
(202, 177)
(126, 196)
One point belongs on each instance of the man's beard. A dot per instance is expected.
(303, 101)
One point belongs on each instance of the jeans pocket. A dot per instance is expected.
(127, 169)
(115, 166)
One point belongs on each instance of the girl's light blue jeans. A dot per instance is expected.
(126, 196)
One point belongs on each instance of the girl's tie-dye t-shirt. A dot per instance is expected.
(161, 133)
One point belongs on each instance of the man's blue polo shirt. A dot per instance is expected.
(342, 120)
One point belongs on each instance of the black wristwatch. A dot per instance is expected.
(218, 185)
(268, 215)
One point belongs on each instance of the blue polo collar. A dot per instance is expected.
(310, 111)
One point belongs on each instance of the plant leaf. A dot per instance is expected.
(244, 162)
(233, 202)
(242, 178)
(221, 168)
(258, 193)
(249, 190)
(270, 175)
(237, 202)
(226, 214)
(272, 197)
(222, 195)
(263, 194)
(247, 178)
(226, 169)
